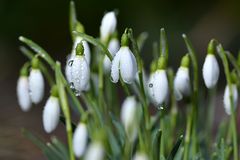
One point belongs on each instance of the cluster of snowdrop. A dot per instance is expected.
(120, 65)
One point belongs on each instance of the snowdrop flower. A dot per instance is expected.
(158, 84)
(80, 138)
(129, 117)
(226, 98)
(23, 91)
(108, 25)
(51, 112)
(87, 55)
(36, 83)
(210, 67)
(182, 85)
(80, 72)
(125, 63)
(140, 156)
(113, 47)
(95, 151)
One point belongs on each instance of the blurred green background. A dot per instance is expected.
(46, 22)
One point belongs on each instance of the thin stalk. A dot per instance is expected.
(65, 109)
(29, 54)
(233, 62)
(229, 83)
(194, 98)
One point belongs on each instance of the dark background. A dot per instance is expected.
(46, 22)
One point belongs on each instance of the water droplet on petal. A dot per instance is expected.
(150, 85)
(77, 93)
(72, 85)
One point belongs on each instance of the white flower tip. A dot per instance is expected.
(108, 25)
(36, 85)
(23, 94)
(210, 71)
(51, 114)
(80, 138)
(95, 152)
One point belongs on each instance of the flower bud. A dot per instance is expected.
(140, 156)
(129, 117)
(86, 52)
(113, 47)
(125, 62)
(36, 85)
(80, 73)
(182, 85)
(80, 138)
(23, 93)
(95, 151)
(226, 98)
(158, 87)
(51, 114)
(210, 71)
(108, 25)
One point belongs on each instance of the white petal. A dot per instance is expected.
(113, 47)
(95, 152)
(80, 138)
(182, 83)
(128, 65)
(68, 67)
(51, 114)
(108, 25)
(36, 85)
(115, 68)
(23, 94)
(129, 117)
(210, 71)
(140, 156)
(159, 86)
(80, 73)
(226, 98)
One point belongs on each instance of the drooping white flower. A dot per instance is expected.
(108, 25)
(182, 85)
(113, 47)
(36, 85)
(158, 86)
(210, 71)
(80, 138)
(23, 94)
(140, 156)
(226, 98)
(125, 63)
(95, 152)
(51, 114)
(80, 73)
(129, 117)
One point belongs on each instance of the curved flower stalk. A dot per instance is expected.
(36, 82)
(140, 156)
(158, 83)
(23, 96)
(95, 151)
(226, 98)
(80, 138)
(51, 112)
(108, 26)
(113, 47)
(80, 72)
(211, 67)
(182, 86)
(125, 63)
(129, 117)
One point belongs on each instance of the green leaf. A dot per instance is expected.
(175, 148)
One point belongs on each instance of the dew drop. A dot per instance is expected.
(161, 107)
(150, 85)
(72, 85)
(70, 63)
(77, 93)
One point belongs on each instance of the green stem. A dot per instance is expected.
(65, 108)
(229, 83)
(194, 98)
